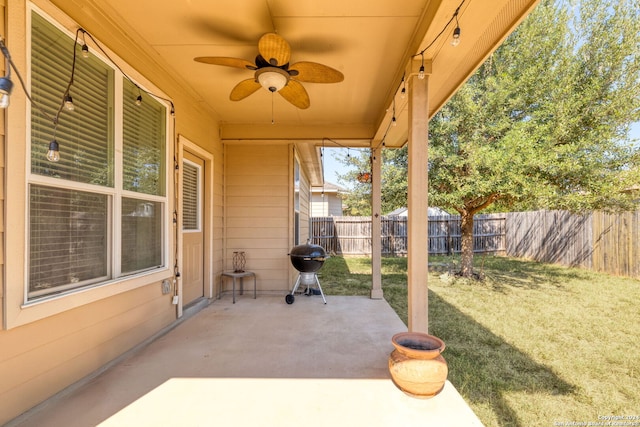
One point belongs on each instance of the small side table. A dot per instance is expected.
(241, 275)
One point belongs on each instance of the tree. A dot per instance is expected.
(357, 202)
(541, 123)
(394, 181)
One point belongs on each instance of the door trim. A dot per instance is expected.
(207, 217)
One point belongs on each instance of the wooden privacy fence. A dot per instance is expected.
(597, 241)
(351, 235)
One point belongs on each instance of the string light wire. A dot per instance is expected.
(55, 118)
(401, 85)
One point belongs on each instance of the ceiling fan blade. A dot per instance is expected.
(274, 49)
(228, 62)
(296, 94)
(244, 89)
(313, 72)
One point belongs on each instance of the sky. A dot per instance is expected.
(332, 167)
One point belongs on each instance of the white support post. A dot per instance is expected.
(418, 241)
(376, 227)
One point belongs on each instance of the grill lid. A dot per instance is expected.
(308, 250)
(307, 258)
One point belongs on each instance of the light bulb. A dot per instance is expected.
(455, 41)
(85, 51)
(421, 73)
(4, 100)
(53, 155)
(139, 100)
(6, 85)
(394, 123)
(403, 93)
(68, 103)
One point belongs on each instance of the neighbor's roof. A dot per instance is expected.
(329, 187)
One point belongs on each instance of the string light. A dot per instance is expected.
(53, 152)
(456, 31)
(393, 118)
(422, 72)
(53, 155)
(6, 85)
(85, 48)
(455, 40)
(68, 103)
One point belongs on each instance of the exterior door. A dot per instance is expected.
(192, 228)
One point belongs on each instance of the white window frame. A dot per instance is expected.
(32, 310)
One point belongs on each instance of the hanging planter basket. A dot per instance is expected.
(364, 177)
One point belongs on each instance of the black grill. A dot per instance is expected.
(307, 258)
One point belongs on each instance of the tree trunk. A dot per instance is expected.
(466, 256)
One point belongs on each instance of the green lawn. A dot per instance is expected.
(532, 345)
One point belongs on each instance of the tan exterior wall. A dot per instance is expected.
(259, 205)
(68, 338)
(257, 210)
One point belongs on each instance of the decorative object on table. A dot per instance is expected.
(416, 366)
(238, 262)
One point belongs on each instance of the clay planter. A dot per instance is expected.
(416, 366)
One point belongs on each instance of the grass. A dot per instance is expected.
(532, 344)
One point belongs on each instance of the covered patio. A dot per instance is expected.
(258, 362)
(175, 163)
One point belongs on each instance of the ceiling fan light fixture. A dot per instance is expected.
(271, 78)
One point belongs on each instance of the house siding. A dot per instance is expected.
(329, 205)
(43, 355)
(257, 186)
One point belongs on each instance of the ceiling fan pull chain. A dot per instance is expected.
(273, 122)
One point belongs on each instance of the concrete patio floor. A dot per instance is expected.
(259, 363)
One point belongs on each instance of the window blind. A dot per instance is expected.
(85, 135)
(144, 143)
(68, 239)
(141, 235)
(190, 197)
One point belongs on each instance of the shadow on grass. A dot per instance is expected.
(524, 274)
(484, 367)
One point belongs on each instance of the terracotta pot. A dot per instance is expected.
(416, 366)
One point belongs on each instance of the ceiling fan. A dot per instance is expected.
(273, 72)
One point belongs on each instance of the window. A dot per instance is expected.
(96, 215)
